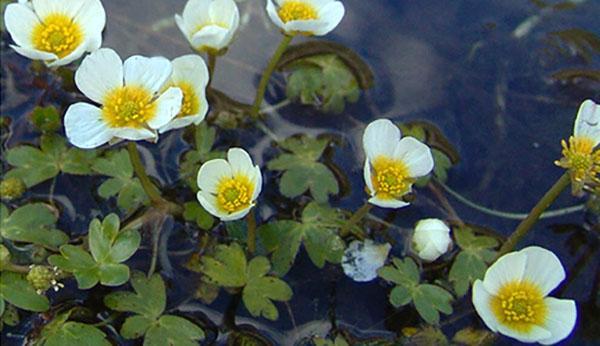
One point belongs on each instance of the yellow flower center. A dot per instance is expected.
(58, 34)
(234, 194)
(390, 178)
(582, 161)
(519, 305)
(190, 104)
(128, 106)
(296, 10)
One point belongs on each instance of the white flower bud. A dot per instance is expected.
(431, 239)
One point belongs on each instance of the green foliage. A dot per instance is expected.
(12, 188)
(31, 223)
(15, 289)
(194, 212)
(204, 139)
(317, 231)
(228, 267)
(109, 247)
(61, 332)
(4, 257)
(9, 314)
(429, 300)
(45, 119)
(473, 337)
(33, 165)
(323, 81)
(122, 182)
(471, 262)
(302, 170)
(148, 304)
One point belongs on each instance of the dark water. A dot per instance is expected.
(456, 64)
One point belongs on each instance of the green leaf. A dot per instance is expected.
(74, 259)
(472, 261)
(403, 272)
(173, 330)
(135, 326)
(60, 332)
(195, 213)
(227, 267)
(31, 223)
(149, 299)
(45, 119)
(302, 171)
(261, 290)
(10, 314)
(15, 289)
(442, 165)
(430, 300)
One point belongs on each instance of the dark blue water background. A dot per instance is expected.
(453, 63)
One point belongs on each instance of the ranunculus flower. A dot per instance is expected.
(431, 239)
(307, 17)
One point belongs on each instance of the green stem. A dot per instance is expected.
(251, 223)
(262, 85)
(562, 183)
(354, 219)
(155, 239)
(212, 62)
(15, 268)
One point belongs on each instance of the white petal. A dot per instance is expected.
(183, 26)
(380, 138)
(562, 315)
(191, 69)
(211, 36)
(20, 22)
(332, 15)
(543, 268)
(74, 55)
(534, 335)
(209, 203)
(587, 123)
(305, 26)
(91, 17)
(415, 155)
(481, 301)
(223, 12)
(85, 127)
(240, 161)
(34, 54)
(272, 12)
(429, 253)
(150, 73)
(134, 134)
(237, 215)
(195, 13)
(168, 106)
(257, 182)
(99, 73)
(180, 122)
(68, 7)
(387, 203)
(211, 173)
(367, 177)
(508, 268)
(361, 260)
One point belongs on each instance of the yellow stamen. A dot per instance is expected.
(296, 10)
(390, 178)
(190, 104)
(582, 161)
(58, 34)
(128, 106)
(519, 305)
(234, 194)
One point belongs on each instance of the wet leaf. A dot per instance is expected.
(302, 171)
(33, 165)
(61, 332)
(45, 119)
(31, 223)
(149, 299)
(227, 267)
(173, 330)
(16, 290)
(472, 261)
(195, 213)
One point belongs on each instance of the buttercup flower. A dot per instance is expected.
(392, 164)
(209, 25)
(308, 17)
(133, 106)
(362, 259)
(512, 298)
(191, 76)
(431, 239)
(581, 155)
(228, 188)
(57, 32)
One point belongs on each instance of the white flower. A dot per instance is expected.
(133, 106)
(362, 259)
(392, 164)
(512, 298)
(587, 123)
(228, 189)
(191, 76)
(308, 17)
(431, 239)
(209, 25)
(57, 32)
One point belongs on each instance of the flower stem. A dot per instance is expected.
(212, 62)
(251, 223)
(535, 214)
(262, 85)
(354, 219)
(150, 189)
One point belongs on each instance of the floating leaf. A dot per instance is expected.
(15, 289)
(194, 212)
(471, 262)
(302, 170)
(203, 141)
(45, 119)
(33, 165)
(429, 300)
(31, 223)
(61, 332)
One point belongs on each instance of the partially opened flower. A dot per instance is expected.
(229, 188)
(209, 25)
(581, 155)
(57, 32)
(431, 239)
(512, 298)
(307, 17)
(133, 105)
(392, 164)
(191, 76)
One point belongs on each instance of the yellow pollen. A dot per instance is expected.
(520, 306)
(128, 106)
(190, 104)
(390, 178)
(58, 34)
(582, 161)
(296, 10)
(234, 194)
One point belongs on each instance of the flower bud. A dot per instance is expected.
(431, 239)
